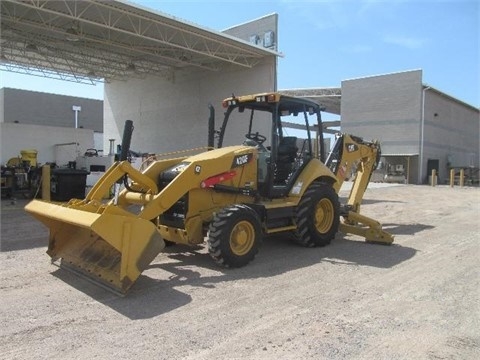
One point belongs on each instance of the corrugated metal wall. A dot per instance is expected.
(38, 108)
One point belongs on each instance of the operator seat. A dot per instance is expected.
(286, 154)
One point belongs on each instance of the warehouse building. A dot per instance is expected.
(58, 127)
(421, 128)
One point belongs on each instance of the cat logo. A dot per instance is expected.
(241, 160)
(351, 147)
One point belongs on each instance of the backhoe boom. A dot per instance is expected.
(353, 154)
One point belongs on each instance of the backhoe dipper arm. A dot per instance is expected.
(348, 153)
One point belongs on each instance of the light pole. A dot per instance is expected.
(76, 109)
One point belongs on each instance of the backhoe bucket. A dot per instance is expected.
(108, 248)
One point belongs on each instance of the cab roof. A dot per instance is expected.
(268, 101)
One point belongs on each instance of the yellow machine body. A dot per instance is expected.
(230, 195)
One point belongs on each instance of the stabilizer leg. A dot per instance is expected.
(365, 227)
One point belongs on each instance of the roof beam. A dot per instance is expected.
(119, 25)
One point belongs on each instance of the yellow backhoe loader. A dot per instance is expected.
(232, 196)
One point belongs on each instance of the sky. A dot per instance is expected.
(325, 42)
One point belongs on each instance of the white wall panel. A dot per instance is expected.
(18, 137)
(2, 105)
(171, 115)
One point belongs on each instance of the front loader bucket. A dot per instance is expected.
(110, 249)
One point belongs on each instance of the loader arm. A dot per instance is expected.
(116, 172)
(353, 154)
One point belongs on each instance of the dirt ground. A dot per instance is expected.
(416, 299)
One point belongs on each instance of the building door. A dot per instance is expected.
(432, 164)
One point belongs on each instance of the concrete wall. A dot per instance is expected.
(98, 142)
(172, 115)
(17, 137)
(385, 107)
(2, 106)
(258, 31)
(31, 107)
(451, 134)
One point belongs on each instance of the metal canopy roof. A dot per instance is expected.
(92, 40)
(329, 98)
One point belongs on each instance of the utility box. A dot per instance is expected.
(66, 184)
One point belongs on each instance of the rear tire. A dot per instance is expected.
(234, 236)
(318, 216)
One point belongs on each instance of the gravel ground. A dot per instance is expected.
(416, 299)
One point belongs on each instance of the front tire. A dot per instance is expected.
(234, 236)
(318, 216)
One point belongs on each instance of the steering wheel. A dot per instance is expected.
(259, 139)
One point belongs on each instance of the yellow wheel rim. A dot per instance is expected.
(324, 216)
(242, 238)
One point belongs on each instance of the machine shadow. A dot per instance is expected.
(406, 229)
(9, 244)
(151, 297)
(139, 303)
(359, 253)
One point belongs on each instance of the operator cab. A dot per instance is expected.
(280, 128)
